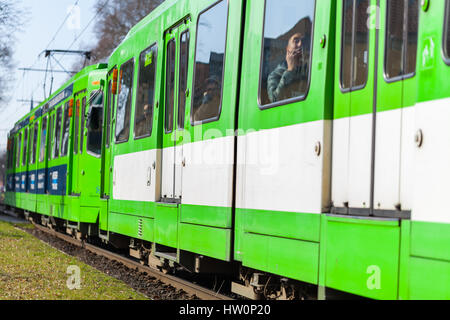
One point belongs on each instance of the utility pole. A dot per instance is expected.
(51, 54)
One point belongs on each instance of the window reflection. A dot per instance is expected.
(124, 102)
(146, 92)
(286, 50)
(95, 123)
(209, 63)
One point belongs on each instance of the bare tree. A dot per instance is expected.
(11, 18)
(114, 21)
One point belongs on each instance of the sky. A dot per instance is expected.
(44, 29)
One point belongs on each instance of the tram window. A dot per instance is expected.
(11, 153)
(146, 93)
(19, 141)
(50, 135)
(209, 63)
(31, 142)
(355, 44)
(57, 137)
(77, 125)
(446, 44)
(83, 111)
(287, 45)
(66, 127)
(35, 138)
(412, 36)
(184, 63)
(95, 123)
(8, 162)
(170, 86)
(347, 44)
(108, 114)
(124, 102)
(401, 43)
(25, 145)
(43, 139)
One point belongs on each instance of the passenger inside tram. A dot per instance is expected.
(211, 100)
(290, 76)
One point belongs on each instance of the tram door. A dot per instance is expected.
(176, 45)
(77, 142)
(106, 151)
(372, 141)
(396, 95)
(377, 62)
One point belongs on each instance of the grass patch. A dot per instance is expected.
(32, 270)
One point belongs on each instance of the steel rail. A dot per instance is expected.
(200, 292)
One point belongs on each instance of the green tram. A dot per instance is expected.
(293, 144)
(53, 160)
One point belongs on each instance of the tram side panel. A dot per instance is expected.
(169, 198)
(356, 245)
(86, 180)
(284, 143)
(428, 258)
(207, 165)
(131, 167)
(398, 221)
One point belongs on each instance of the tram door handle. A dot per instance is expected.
(149, 176)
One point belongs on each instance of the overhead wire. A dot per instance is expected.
(48, 45)
(46, 48)
(87, 26)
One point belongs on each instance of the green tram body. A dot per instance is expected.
(342, 186)
(59, 182)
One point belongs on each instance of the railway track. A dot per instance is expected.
(188, 287)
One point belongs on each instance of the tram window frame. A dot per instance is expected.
(18, 149)
(44, 138)
(83, 122)
(192, 106)
(119, 84)
(30, 144)
(446, 34)
(50, 132)
(93, 97)
(182, 94)
(8, 161)
(12, 153)
(57, 136)
(25, 146)
(109, 105)
(168, 126)
(34, 147)
(112, 115)
(152, 47)
(351, 87)
(403, 76)
(65, 130)
(76, 122)
(280, 103)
